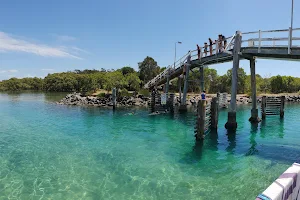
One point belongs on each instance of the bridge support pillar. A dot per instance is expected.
(201, 78)
(200, 120)
(214, 110)
(231, 123)
(254, 111)
(167, 84)
(185, 89)
(179, 88)
(263, 107)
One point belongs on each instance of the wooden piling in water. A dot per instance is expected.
(171, 103)
(282, 98)
(152, 102)
(214, 112)
(200, 121)
(114, 98)
(263, 107)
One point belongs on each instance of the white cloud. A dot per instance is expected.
(8, 71)
(12, 44)
(47, 69)
(12, 70)
(75, 50)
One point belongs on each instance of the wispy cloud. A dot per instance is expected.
(64, 38)
(78, 50)
(8, 71)
(9, 43)
(47, 69)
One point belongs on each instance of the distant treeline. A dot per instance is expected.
(126, 78)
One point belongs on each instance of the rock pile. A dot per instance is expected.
(294, 98)
(80, 100)
(288, 98)
(140, 100)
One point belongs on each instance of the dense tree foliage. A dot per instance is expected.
(15, 84)
(148, 69)
(127, 70)
(127, 79)
(215, 83)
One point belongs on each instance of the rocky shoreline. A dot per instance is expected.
(80, 100)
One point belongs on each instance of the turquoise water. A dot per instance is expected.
(48, 151)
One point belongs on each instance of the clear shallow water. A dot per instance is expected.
(59, 152)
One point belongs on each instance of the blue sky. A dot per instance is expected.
(41, 37)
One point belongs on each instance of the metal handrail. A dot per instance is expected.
(229, 43)
(270, 39)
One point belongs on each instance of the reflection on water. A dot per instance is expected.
(252, 150)
(231, 134)
(49, 151)
(33, 96)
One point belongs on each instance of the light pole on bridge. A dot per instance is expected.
(291, 28)
(175, 52)
(292, 14)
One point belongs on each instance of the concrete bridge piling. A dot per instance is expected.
(254, 111)
(186, 84)
(231, 123)
(179, 87)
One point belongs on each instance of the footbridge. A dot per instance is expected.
(271, 44)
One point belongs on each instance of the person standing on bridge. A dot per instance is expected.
(224, 41)
(199, 52)
(220, 43)
(205, 48)
(210, 46)
(217, 46)
(188, 62)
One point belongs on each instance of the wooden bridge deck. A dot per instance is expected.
(246, 52)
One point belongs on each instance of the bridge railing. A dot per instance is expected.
(272, 38)
(215, 48)
(194, 56)
(178, 64)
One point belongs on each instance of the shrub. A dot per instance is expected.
(124, 93)
(144, 92)
(102, 94)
